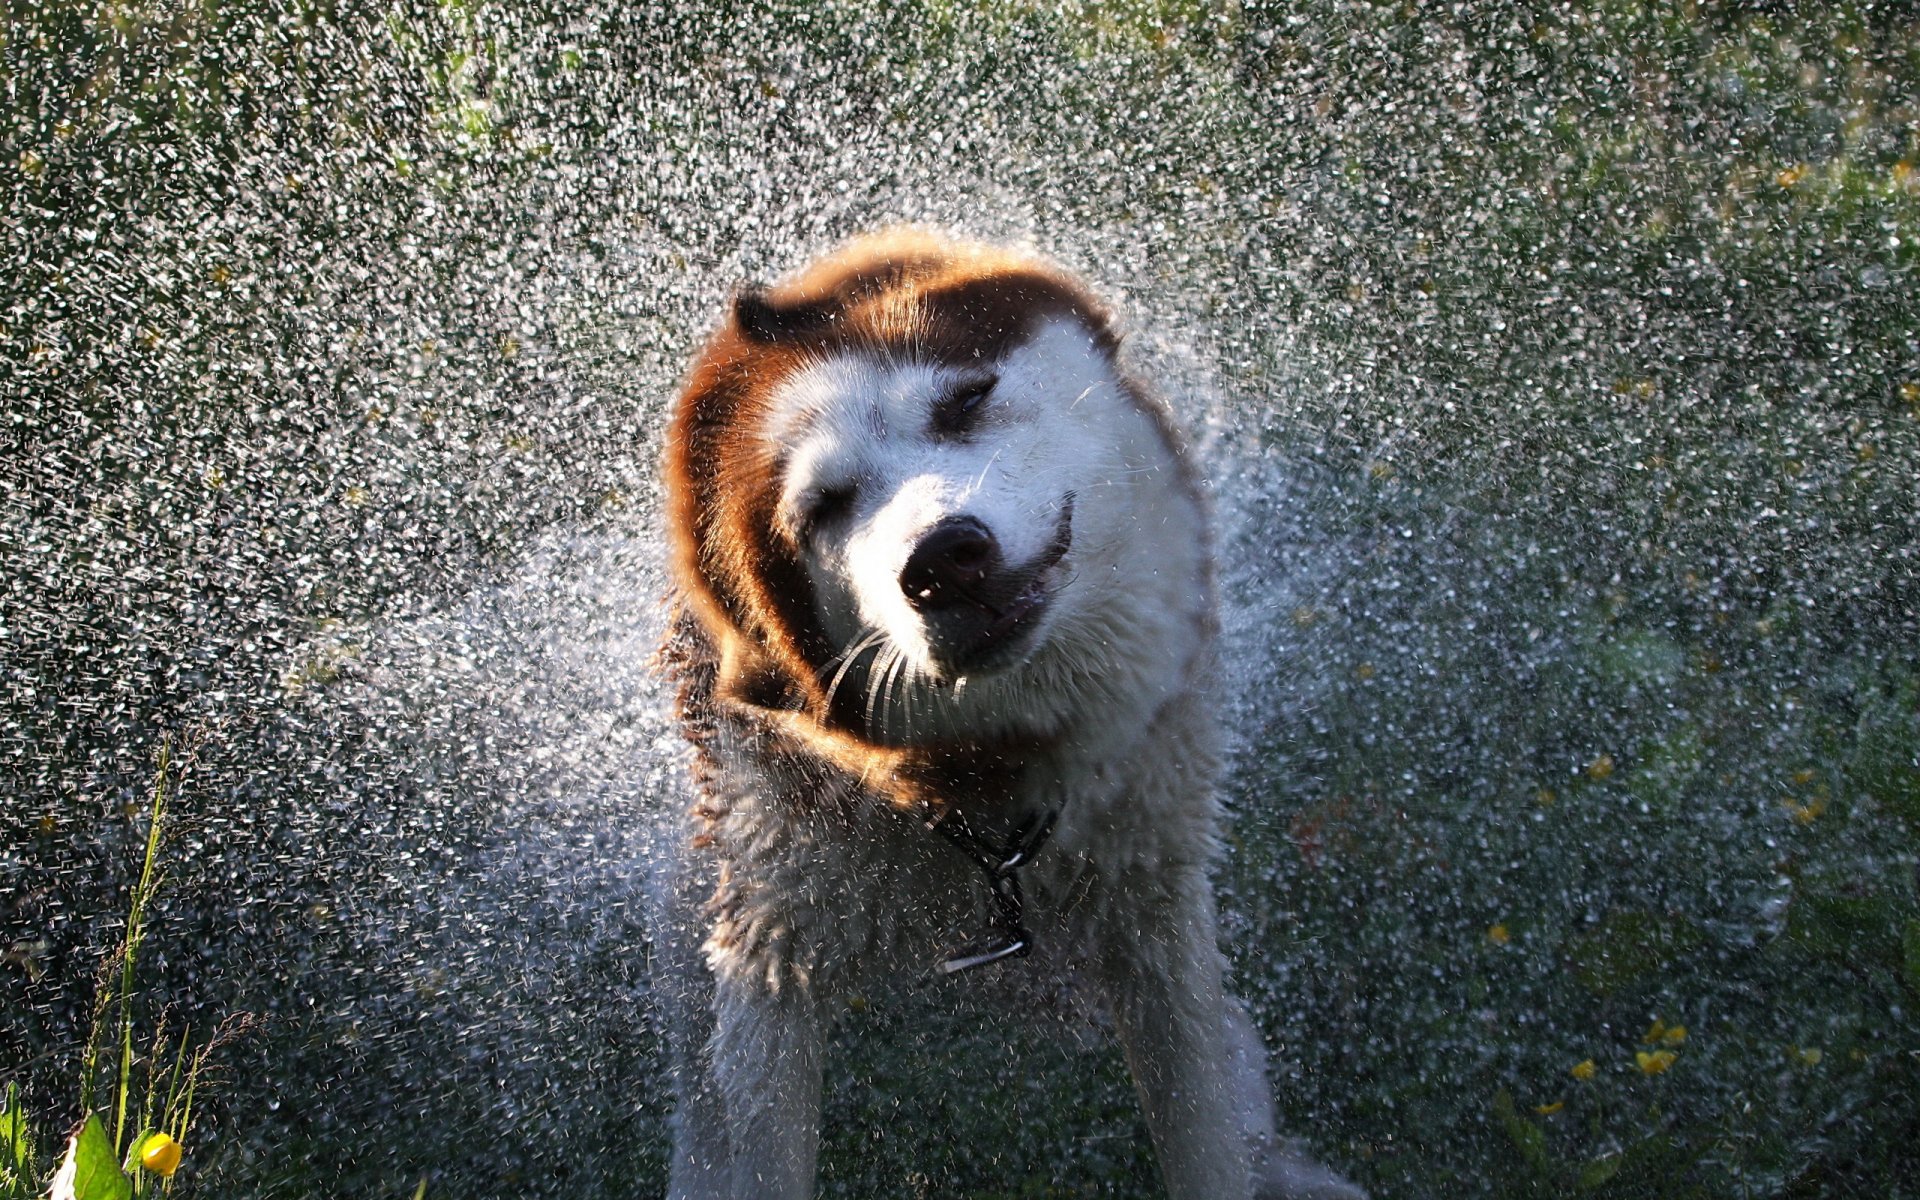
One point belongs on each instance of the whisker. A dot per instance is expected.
(980, 480)
(848, 657)
(894, 672)
(875, 676)
(914, 693)
(860, 643)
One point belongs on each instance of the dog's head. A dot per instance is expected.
(913, 468)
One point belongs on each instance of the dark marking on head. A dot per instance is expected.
(763, 319)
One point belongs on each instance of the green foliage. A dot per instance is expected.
(91, 1170)
(1628, 947)
(1779, 984)
(1910, 955)
(19, 1160)
(153, 1101)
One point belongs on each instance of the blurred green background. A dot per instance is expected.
(1558, 368)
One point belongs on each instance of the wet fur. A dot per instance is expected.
(829, 716)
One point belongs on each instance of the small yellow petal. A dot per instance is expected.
(1498, 935)
(1547, 1110)
(1584, 1070)
(1600, 768)
(1674, 1035)
(1654, 1062)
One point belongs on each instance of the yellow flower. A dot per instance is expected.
(1600, 768)
(1547, 1110)
(1584, 1070)
(1498, 935)
(160, 1154)
(1791, 175)
(1654, 1062)
(1664, 1034)
(1805, 814)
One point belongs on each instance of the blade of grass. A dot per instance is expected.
(16, 1144)
(176, 1080)
(136, 914)
(155, 1055)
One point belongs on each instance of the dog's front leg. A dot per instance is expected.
(1163, 977)
(767, 1055)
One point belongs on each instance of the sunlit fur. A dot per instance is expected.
(822, 703)
(1058, 425)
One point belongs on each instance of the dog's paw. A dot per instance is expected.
(1288, 1172)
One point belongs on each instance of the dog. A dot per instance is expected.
(943, 640)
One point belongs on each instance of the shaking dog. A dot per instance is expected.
(944, 644)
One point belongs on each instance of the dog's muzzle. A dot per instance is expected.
(978, 609)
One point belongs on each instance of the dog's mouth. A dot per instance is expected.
(997, 624)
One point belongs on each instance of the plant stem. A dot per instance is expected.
(142, 894)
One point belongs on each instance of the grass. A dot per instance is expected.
(156, 1104)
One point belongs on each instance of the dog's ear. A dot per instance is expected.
(763, 319)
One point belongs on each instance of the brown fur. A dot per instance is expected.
(748, 604)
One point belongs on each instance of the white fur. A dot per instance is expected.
(843, 894)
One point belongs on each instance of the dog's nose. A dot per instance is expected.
(949, 564)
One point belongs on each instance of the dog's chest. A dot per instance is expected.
(835, 885)
(826, 883)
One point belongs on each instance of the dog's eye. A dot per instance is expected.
(959, 410)
(822, 507)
